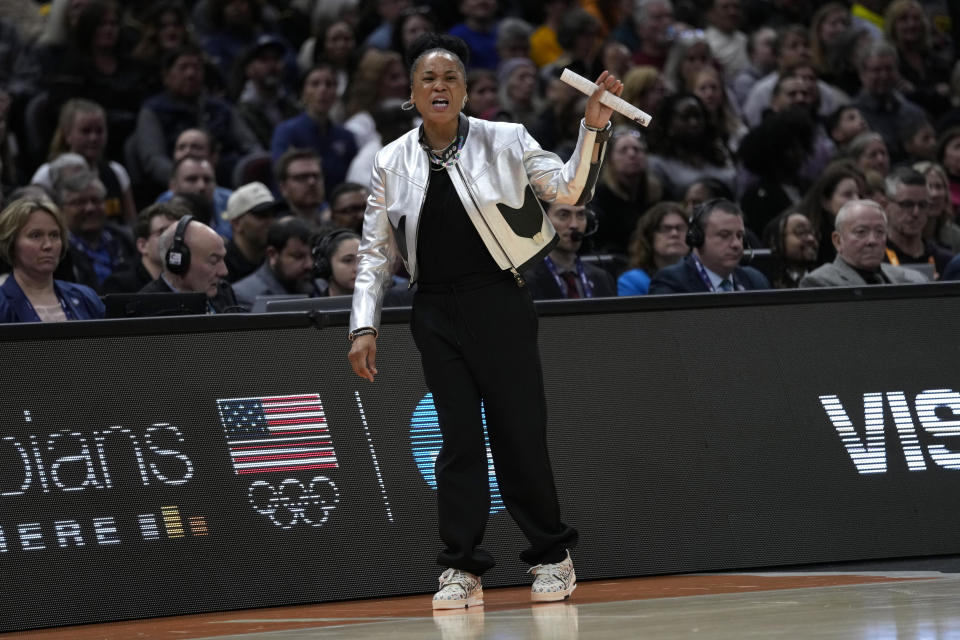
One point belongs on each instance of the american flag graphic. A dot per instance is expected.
(277, 433)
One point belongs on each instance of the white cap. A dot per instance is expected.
(253, 197)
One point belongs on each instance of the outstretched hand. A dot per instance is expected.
(597, 115)
(363, 355)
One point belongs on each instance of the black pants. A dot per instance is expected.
(478, 342)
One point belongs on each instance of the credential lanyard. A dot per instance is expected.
(581, 273)
(702, 270)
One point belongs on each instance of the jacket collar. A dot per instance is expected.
(851, 275)
(463, 128)
(269, 278)
(21, 304)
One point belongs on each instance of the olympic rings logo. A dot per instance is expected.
(291, 502)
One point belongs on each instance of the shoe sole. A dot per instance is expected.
(553, 596)
(474, 601)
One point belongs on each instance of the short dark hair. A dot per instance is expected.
(789, 30)
(832, 120)
(172, 210)
(283, 229)
(170, 58)
(903, 176)
(199, 207)
(320, 65)
(188, 158)
(326, 244)
(572, 24)
(432, 41)
(212, 141)
(345, 187)
(291, 154)
(791, 69)
(703, 212)
(753, 35)
(911, 127)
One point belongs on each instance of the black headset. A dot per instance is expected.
(695, 235)
(177, 259)
(593, 225)
(593, 222)
(323, 251)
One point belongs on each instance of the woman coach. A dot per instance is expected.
(458, 198)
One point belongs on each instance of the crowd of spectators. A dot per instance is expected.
(259, 119)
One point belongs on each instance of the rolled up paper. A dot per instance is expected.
(616, 103)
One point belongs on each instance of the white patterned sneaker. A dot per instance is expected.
(554, 581)
(458, 589)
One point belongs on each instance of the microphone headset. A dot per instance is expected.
(323, 252)
(177, 258)
(695, 234)
(593, 224)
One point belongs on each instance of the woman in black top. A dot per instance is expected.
(458, 198)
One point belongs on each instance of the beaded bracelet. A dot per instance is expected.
(365, 331)
(602, 134)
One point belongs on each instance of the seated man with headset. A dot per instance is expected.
(562, 274)
(193, 262)
(715, 235)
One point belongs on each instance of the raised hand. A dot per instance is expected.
(597, 115)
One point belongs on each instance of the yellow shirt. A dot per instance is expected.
(544, 47)
(860, 11)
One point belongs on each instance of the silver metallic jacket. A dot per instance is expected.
(501, 173)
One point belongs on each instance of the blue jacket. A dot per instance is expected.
(79, 302)
(220, 197)
(175, 116)
(684, 277)
(336, 146)
(635, 282)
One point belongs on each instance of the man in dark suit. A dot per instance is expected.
(715, 235)
(562, 274)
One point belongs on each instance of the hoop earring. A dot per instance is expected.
(406, 106)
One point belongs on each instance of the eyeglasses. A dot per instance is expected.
(95, 201)
(304, 177)
(419, 10)
(356, 208)
(667, 229)
(686, 34)
(803, 232)
(909, 205)
(627, 131)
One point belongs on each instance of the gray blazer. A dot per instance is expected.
(839, 274)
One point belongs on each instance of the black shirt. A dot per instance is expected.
(224, 302)
(238, 267)
(872, 277)
(129, 280)
(932, 254)
(449, 248)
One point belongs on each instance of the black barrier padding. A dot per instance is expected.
(683, 439)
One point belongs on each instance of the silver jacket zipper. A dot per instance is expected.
(513, 270)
